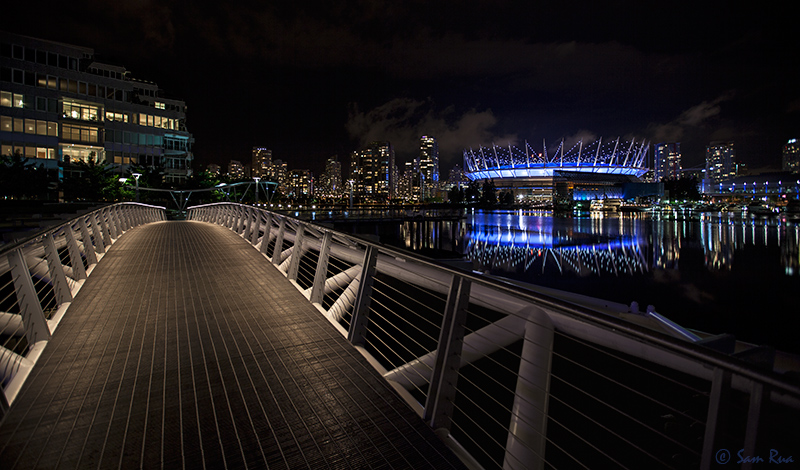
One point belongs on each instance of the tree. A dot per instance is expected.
(91, 181)
(489, 193)
(22, 179)
(473, 192)
(456, 195)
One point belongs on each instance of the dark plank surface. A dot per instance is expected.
(187, 349)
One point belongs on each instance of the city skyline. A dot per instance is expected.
(309, 82)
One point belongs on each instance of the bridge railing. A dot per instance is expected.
(40, 275)
(515, 379)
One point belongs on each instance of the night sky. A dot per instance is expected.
(314, 79)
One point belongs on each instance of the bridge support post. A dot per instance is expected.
(276, 252)
(113, 227)
(247, 222)
(75, 258)
(527, 432)
(33, 318)
(360, 318)
(62, 292)
(297, 253)
(99, 244)
(102, 222)
(442, 390)
(88, 248)
(267, 233)
(256, 227)
(717, 412)
(318, 289)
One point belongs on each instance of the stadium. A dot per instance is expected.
(598, 170)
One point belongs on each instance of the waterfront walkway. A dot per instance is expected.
(187, 348)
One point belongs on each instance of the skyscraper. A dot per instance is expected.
(330, 183)
(429, 159)
(791, 156)
(720, 163)
(667, 164)
(371, 171)
(262, 161)
(236, 170)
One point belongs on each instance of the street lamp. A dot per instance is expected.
(137, 175)
(257, 178)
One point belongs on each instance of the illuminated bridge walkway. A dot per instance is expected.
(187, 348)
(246, 338)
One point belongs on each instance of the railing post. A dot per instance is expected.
(99, 244)
(360, 319)
(239, 224)
(33, 318)
(103, 223)
(62, 292)
(256, 227)
(318, 289)
(112, 223)
(267, 233)
(297, 253)
(759, 394)
(229, 217)
(527, 435)
(276, 252)
(125, 215)
(75, 258)
(247, 223)
(717, 413)
(88, 247)
(442, 390)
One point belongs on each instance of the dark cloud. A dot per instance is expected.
(404, 121)
(312, 78)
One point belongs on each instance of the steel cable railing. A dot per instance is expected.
(40, 275)
(516, 379)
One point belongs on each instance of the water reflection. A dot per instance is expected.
(602, 245)
(720, 273)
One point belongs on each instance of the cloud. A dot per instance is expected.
(692, 118)
(403, 121)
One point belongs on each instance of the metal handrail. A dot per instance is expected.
(43, 272)
(427, 382)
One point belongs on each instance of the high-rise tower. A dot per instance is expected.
(667, 164)
(262, 161)
(720, 162)
(791, 156)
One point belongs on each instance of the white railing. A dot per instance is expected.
(40, 275)
(516, 379)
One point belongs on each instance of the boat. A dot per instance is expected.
(605, 205)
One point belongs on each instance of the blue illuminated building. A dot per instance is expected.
(597, 170)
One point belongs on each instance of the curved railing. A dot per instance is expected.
(515, 379)
(40, 275)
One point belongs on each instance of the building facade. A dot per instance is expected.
(330, 183)
(300, 184)
(236, 171)
(262, 161)
(791, 156)
(371, 172)
(667, 161)
(59, 105)
(720, 163)
(429, 163)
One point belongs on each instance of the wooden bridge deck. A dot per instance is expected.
(187, 348)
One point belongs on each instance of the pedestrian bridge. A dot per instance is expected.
(248, 339)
